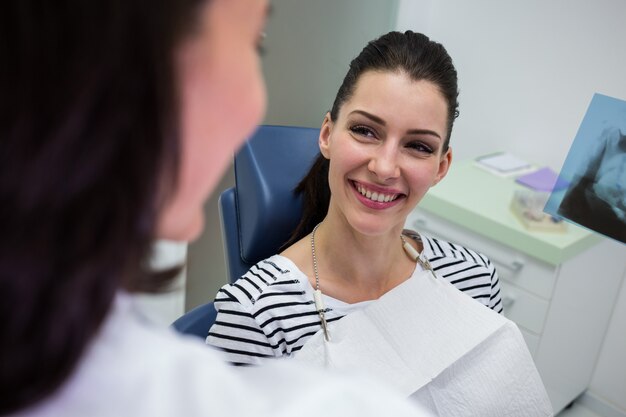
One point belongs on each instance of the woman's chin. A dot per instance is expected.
(376, 226)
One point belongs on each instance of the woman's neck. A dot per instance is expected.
(355, 267)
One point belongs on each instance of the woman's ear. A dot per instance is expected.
(324, 139)
(444, 166)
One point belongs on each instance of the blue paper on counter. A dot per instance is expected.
(595, 167)
(543, 179)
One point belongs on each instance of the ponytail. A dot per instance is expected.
(315, 194)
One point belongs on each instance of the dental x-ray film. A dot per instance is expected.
(595, 168)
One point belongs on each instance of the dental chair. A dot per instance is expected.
(260, 212)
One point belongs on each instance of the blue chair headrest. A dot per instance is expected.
(267, 170)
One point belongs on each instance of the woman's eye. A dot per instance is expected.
(420, 147)
(363, 131)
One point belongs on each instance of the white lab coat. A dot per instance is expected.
(135, 369)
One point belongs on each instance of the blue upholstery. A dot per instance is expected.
(264, 207)
(235, 266)
(259, 214)
(197, 321)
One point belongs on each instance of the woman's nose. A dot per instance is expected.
(384, 163)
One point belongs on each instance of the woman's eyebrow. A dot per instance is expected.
(423, 132)
(370, 116)
(381, 122)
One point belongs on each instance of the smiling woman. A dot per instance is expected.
(384, 143)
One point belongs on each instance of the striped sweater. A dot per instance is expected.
(270, 311)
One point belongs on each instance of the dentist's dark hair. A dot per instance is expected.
(410, 53)
(88, 154)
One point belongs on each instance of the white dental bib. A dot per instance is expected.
(438, 346)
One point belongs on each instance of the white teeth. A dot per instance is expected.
(375, 196)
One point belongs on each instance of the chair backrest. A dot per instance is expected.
(259, 214)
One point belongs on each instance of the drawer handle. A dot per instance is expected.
(514, 266)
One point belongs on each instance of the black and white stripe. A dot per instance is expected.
(270, 311)
(469, 271)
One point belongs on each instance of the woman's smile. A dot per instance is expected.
(375, 197)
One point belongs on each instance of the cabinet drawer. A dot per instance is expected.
(534, 275)
(525, 309)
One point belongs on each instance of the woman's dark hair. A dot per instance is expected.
(410, 53)
(88, 130)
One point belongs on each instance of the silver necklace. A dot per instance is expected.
(317, 294)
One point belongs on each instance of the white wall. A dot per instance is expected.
(527, 72)
(527, 69)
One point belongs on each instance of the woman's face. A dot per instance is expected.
(222, 100)
(385, 150)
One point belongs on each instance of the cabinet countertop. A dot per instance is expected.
(479, 200)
